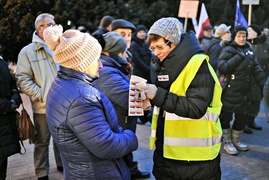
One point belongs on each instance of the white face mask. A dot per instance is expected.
(251, 33)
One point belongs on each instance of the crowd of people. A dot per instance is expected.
(79, 82)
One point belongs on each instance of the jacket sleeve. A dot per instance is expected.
(91, 126)
(259, 74)
(198, 96)
(25, 77)
(229, 59)
(115, 86)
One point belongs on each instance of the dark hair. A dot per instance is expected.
(154, 37)
(106, 21)
(237, 29)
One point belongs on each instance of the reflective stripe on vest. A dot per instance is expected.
(186, 138)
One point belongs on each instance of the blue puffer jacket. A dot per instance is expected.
(84, 126)
(115, 85)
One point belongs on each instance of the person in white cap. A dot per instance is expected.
(222, 33)
(186, 95)
(81, 119)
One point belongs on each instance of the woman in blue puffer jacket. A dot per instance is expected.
(81, 119)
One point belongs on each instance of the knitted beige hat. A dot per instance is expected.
(72, 49)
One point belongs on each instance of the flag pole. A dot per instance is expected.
(186, 22)
(249, 13)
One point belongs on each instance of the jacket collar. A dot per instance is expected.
(68, 74)
(173, 64)
(39, 43)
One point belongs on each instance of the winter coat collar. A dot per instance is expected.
(40, 43)
(258, 40)
(109, 61)
(224, 43)
(67, 74)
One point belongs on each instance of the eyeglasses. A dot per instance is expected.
(158, 47)
(47, 25)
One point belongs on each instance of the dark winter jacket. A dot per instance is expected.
(100, 31)
(239, 63)
(9, 138)
(84, 126)
(205, 42)
(141, 57)
(115, 85)
(213, 51)
(194, 105)
(260, 46)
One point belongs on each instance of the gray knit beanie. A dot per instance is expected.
(169, 28)
(114, 43)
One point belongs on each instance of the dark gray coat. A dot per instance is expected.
(247, 75)
(9, 138)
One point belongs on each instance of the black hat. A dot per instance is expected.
(237, 29)
(106, 21)
(208, 27)
(141, 27)
(256, 28)
(121, 23)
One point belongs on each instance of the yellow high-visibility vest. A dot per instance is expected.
(191, 139)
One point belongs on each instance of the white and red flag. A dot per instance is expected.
(203, 21)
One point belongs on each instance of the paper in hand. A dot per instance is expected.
(137, 97)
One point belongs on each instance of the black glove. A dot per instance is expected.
(16, 97)
(14, 106)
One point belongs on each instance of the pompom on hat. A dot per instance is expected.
(169, 28)
(72, 49)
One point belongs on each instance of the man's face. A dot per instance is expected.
(126, 34)
(47, 22)
(208, 33)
